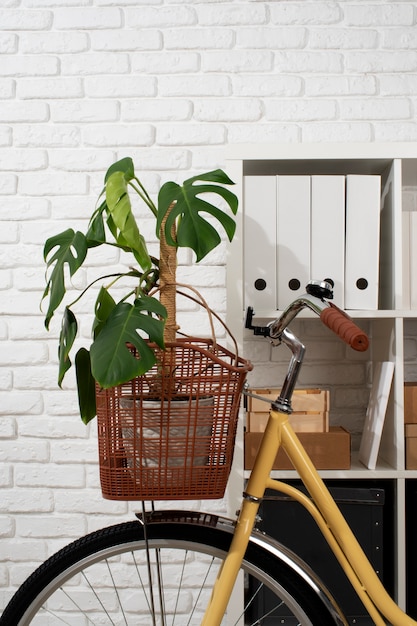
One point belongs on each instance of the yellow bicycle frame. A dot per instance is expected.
(325, 512)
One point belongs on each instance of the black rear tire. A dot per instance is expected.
(102, 579)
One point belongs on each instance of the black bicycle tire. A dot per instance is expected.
(128, 532)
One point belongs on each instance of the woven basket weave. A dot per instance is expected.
(180, 447)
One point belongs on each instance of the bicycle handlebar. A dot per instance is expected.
(345, 328)
(333, 317)
(315, 299)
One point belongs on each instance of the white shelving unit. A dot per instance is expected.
(396, 164)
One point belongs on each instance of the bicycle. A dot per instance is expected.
(180, 567)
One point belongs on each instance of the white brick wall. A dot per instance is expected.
(170, 82)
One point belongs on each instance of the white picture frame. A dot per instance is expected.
(375, 414)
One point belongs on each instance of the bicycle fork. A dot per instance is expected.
(252, 499)
(256, 486)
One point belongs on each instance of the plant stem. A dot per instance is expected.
(142, 193)
(167, 280)
(116, 278)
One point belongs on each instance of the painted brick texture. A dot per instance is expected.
(171, 83)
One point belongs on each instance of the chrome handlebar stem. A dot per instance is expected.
(278, 332)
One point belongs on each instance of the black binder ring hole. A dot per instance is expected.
(260, 284)
(362, 284)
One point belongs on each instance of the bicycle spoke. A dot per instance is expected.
(77, 606)
(160, 587)
(248, 604)
(140, 578)
(179, 587)
(57, 617)
(96, 594)
(116, 592)
(209, 569)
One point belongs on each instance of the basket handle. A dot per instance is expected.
(211, 314)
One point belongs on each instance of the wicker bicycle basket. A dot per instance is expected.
(170, 433)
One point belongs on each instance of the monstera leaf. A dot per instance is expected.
(69, 249)
(120, 211)
(124, 165)
(66, 339)
(96, 234)
(187, 208)
(104, 306)
(86, 385)
(111, 360)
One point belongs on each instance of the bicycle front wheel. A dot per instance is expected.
(160, 574)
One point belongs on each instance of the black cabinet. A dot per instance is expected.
(367, 506)
(411, 546)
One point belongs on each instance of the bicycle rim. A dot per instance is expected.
(115, 577)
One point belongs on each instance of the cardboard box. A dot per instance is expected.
(410, 403)
(301, 422)
(315, 400)
(328, 450)
(411, 446)
(310, 410)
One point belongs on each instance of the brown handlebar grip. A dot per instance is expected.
(345, 328)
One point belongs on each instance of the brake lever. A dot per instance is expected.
(262, 331)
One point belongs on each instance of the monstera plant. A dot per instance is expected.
(145, 313)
